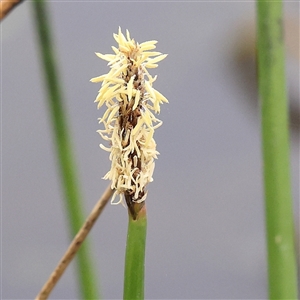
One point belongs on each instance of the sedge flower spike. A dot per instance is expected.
(129, 121)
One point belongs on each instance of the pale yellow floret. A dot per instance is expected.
(115, 49)
(148, 45)
(116, 37)
(146, 118)
(145, 56)
(129, 88)
(107, 93)
(136, 99)
(105, 148)
(153, 53)
(112, 114)
(158, 124)
(112, 91)
(156, 59)
(160, 96)
(123, 48)
(102, 91)
(113, 79)
(122, 39)
(118, 71)
(151, 66)
(99, 78)
(135, 159)
(156, 106)
(114, 61)
(137, 127)
(130, 44)
(107, 57)
(113, 198)
(149, 137)
(107, 112)
(149, 89)
(127, 34)
(105, 137)
(151, 79)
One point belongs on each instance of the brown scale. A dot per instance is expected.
(128, 119)
(133, 207)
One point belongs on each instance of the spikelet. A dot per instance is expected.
(129, 121)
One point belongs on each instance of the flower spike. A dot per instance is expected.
(129, 120)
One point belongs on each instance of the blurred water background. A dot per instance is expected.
(206, 236)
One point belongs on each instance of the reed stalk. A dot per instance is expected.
(282, 274)
(72, 195)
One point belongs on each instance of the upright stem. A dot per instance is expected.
(275, 142)
(87, 281)
(135, 256)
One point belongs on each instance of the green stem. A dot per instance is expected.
(275, 135)
(86, 277)
(135, 256)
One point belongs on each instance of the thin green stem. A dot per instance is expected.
(275, 142)
(87, 280)
(135, 256)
